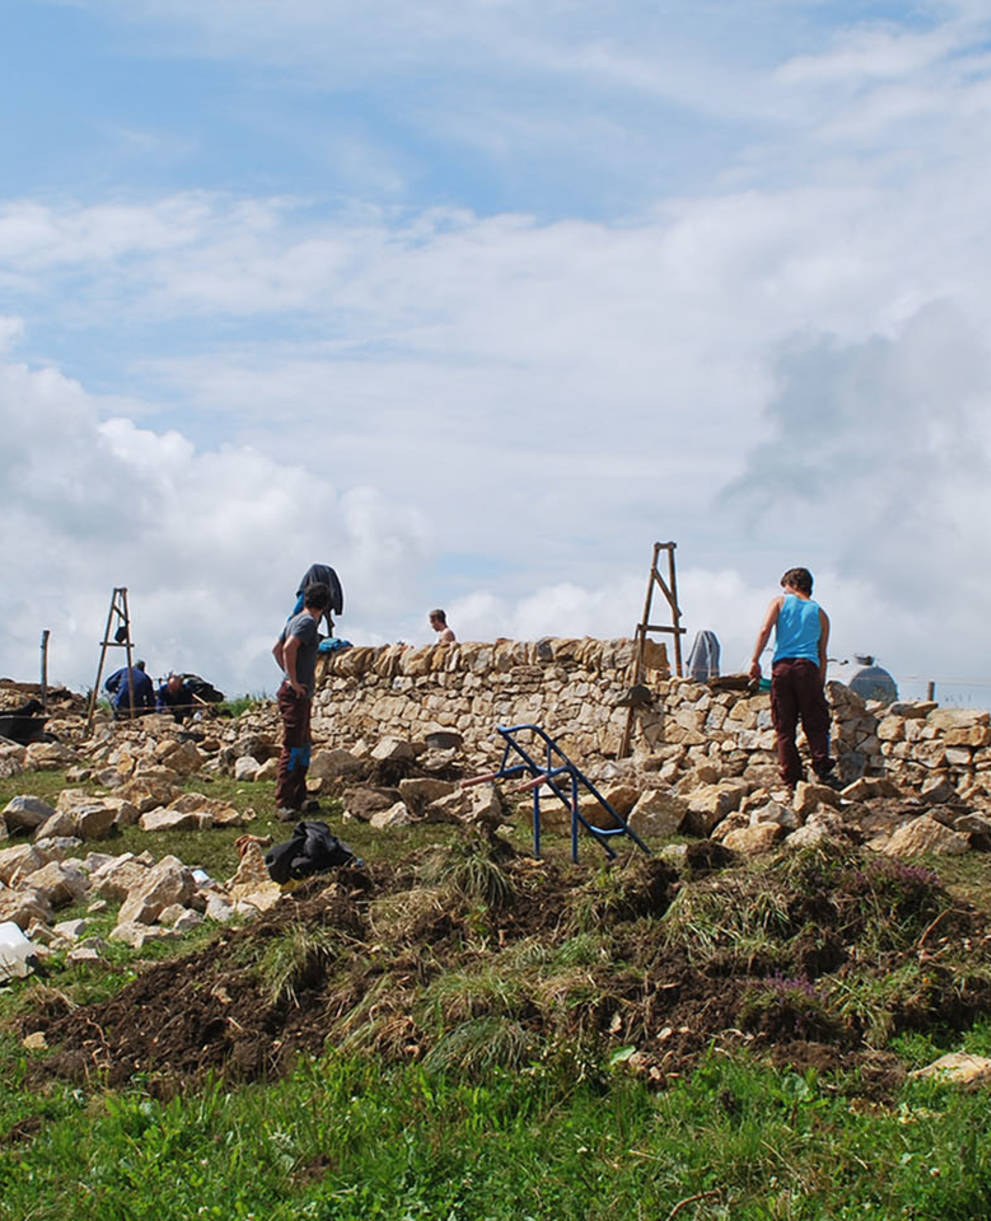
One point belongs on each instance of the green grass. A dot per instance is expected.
(347, 1139)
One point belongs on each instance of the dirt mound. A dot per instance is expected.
(476, 955)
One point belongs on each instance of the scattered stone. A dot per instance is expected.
(751, 840)
(396, 815)
(167, 882)
(809, 797)
(174, 820)
(924, 835)
(393, 750)
(658, 813)
(246, 768)
(70, 930)
(60, 884)
(26, 812)
(958, 1067)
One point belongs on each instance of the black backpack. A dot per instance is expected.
(313, 848)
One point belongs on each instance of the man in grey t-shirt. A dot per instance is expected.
(296, 653)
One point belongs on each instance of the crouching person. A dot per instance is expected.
(296, 653)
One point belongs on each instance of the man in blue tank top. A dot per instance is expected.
(798, 676)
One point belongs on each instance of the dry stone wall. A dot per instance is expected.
(571, 687)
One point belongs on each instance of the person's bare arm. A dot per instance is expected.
(289, 651)
(278, 654)
(823, 642)
(770, 619)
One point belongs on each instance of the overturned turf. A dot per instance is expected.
(477, 956)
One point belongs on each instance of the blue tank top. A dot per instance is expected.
(798, 629)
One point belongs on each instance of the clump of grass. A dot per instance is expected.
(724, 914)
(403, 916)
(494, 989)
(621, 891)
(479, 1045)
(295, 960)
(470, 870)
(788, 1007)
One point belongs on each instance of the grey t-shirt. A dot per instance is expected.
(304, 627)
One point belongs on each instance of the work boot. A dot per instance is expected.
(831, 781)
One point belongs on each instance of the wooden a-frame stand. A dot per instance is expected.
(116, 635)
(670, 590)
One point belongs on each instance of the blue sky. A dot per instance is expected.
(475, 300)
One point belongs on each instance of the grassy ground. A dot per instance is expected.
(347, 1139)
(574, 1133)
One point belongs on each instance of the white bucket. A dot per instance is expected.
(15, 952)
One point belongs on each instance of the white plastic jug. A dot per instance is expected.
(15, 952)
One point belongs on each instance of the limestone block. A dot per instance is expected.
(809, 797)
(732, 822)
(891, 729)
(658, 813)
(912, 708)
(49, 756)
(147, 793)
(393, 750)
(246, 767)
(867, 788)
(811, 835)
(222, 813)
(164, 819)
(121, 874)
(219, 908)
(61, 823)
(752, 840)
(183, 758)
(96, 821)
(334, 763)
(268, 770)
(713, 802)
(417, 794)
(137, 934)
(957, 718)
(395, 816)
(924, 835)
(26, 812)
(977, 826)
(958, 756)
(70, 930)
(60, 884)
(18, 861)
(937, 789)
(958, 1067)
(11, 759)
(776, 812)
(929, 754)
(23, 907)
(362, 803)
(165, 883)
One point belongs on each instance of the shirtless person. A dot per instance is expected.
(798, 676)
(438, 621)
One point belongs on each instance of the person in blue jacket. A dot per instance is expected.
(175, 696)
(798, 676)
(120, 689)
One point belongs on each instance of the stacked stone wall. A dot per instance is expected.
(570, 688)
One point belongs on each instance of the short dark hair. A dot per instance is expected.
(437, 613)
(317, 596)
(798, 578)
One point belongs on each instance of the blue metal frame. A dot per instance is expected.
(559, 765)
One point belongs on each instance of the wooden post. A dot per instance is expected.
(931, 691)
(44, 669)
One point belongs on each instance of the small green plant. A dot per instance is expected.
(296, 959)
(481, 1044)
(470, 870)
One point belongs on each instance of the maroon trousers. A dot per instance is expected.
(796, 692)
(290, 785)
